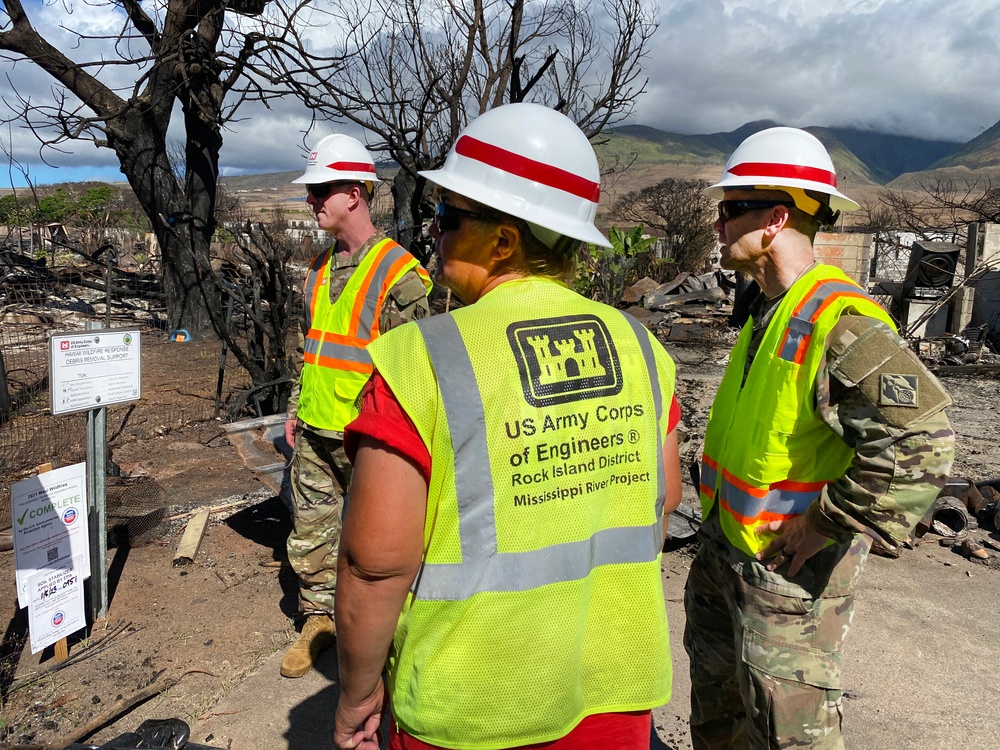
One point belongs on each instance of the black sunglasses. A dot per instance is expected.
(733, 208)
(320, 190)
(449, 217)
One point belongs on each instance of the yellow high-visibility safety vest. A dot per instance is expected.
(768, 454)
(539, 600)
(336, 364)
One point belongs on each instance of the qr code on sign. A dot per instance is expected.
(52, 554)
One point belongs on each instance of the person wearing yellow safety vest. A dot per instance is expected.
(826, 433)
(515, 464)
(361, 286)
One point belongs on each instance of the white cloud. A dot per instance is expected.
(90, 18)
(915, 67)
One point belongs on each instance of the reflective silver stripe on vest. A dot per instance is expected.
(798, 331)
(330, 350)
(483, 567)
(642, 336)
(783, 502)
(709, 479)
(801, 326)
(366, 320)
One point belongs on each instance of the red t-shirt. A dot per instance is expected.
(383, 419)
(623, 731)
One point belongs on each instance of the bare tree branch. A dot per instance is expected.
(415, 77)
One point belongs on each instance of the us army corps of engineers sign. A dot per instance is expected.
(92, 369)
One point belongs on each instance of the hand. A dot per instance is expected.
(290, 425)
(798, 541)
(356, 726)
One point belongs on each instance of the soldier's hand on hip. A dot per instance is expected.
(798, 541)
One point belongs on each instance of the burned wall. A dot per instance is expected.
(851, 253)
(980, 305)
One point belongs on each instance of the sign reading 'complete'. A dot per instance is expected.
(91, 369)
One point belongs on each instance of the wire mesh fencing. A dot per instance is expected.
(173, 397)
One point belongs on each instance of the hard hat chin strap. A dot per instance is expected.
(825, 215)
(559, 243)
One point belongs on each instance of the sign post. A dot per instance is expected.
(88, 371)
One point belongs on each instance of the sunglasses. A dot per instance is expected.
(320, 190)
(449, 217)
(733, 208)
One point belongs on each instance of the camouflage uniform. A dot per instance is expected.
(766, 648)
(320, 471)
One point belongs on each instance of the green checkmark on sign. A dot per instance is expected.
(20, 521)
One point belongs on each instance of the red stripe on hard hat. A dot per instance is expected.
(788, 171)
(352, 166)
(529, 169)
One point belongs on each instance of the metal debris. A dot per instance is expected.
(971, 548)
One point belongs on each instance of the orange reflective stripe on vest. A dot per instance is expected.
(346, 351)
(336, 362)
(798, 334)
(768, 454)
(313, 285)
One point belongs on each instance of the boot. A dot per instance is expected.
(318, 633)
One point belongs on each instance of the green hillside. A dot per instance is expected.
(981, 152)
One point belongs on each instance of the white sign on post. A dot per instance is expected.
(50, 525)
(91, 369)
(55, 604)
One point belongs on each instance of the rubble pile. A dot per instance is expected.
(32, 292)
(692, 308)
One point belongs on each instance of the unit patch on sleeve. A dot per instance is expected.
(898, 390)
(565, 359)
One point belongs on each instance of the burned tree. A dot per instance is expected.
(416, 71)
(680, 213)
(259, 305)
(210, 58)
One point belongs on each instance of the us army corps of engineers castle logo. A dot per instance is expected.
(565, 359)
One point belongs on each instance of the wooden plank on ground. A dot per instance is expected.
(193, 532)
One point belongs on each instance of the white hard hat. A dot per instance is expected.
(339, 158)
(531, 162)
(779, 158)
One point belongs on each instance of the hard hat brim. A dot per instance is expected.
(315, 178)
(578, 229)
(838, 201)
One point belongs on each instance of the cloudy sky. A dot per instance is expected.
(922, 68)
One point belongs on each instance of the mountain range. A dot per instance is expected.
(864, 160)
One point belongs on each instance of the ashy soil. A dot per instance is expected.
(200, 630)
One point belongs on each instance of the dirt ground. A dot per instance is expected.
(920, 663)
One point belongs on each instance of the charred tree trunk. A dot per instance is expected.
(407, 193)
(181, 228)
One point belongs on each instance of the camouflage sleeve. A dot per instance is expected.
(407, 301)
(300, 350)
(881, 400)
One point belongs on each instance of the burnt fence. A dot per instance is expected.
(59, 293)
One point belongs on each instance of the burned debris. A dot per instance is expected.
(688, 308)
(77, 282)
(965, 517)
